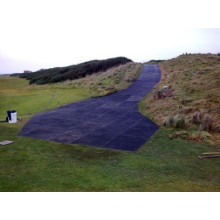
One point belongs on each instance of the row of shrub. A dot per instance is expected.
(59, 74)
(204, 121)
(155, 61)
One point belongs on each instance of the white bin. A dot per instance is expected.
(13, 118)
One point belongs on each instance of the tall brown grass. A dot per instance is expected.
(194, 80)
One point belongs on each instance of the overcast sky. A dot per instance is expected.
(43, 33)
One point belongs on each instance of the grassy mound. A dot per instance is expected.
(60, 74)
(194, 80)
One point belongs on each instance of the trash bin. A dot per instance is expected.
(12, 116)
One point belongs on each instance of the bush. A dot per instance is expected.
(177, 121)
(207, 124)
(198, 117)
(168, 121)
(59, 74)
(205, 121)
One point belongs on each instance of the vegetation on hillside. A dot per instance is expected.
(15, 93)
(154, 61)
(60, 74)
(193, 103)
(104, 83)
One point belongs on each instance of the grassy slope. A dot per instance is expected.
(59, 74)
(104, 83)
(195, 83)
(15, 93)
(37, 165)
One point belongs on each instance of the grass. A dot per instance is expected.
(16, 93)
(194, 81)
(162, 164)
(103, 83)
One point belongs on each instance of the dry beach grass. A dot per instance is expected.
(194, 80)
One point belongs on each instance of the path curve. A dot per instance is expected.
(111, 121)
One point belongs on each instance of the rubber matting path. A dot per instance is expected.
(111, 121)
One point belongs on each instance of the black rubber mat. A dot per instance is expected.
(111, 121)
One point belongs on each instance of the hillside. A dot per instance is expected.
(191, 104)
(15, 93)
(104, 83)
(60, 74)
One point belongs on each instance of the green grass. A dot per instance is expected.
(30, 164)
(16, 94)
(160, 165)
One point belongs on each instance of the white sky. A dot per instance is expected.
(43, 33)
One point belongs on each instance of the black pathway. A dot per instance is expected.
(111, 121)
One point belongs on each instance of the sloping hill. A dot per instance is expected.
(60, 74)
(193, 82)
(15, 93)
(103, 83)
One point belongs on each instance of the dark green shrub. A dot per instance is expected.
(59, 74)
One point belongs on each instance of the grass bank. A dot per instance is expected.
(193, 81)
